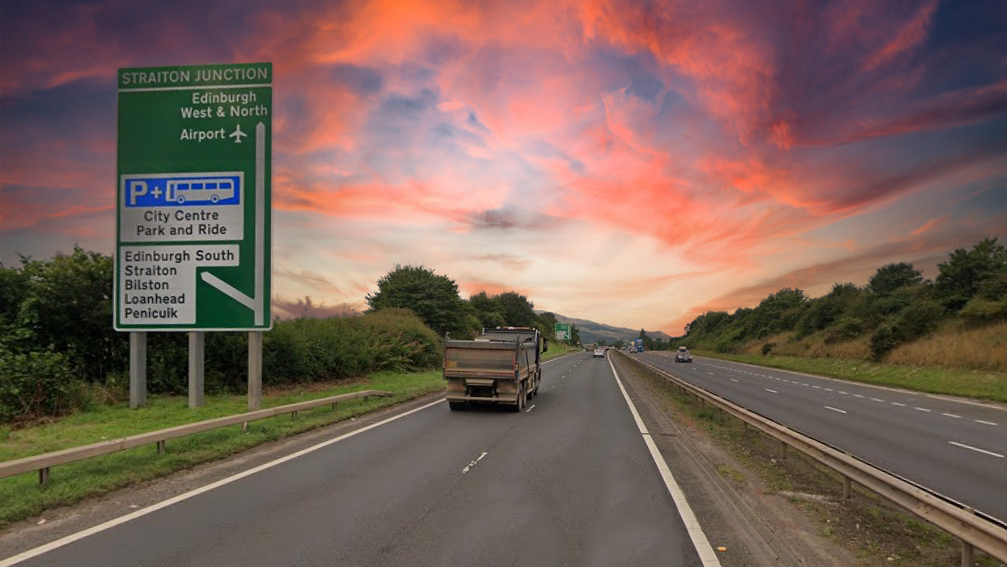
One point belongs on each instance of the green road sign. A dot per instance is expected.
(563, 332)
(193, 244)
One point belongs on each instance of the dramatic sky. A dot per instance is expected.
(633, 163)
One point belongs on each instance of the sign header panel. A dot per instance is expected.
(193, 198)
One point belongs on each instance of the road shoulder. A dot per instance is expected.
(746, 522)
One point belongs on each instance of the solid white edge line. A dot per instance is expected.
(976, 449)
(31, 553)
(706, 553)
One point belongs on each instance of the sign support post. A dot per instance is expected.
(196, 359)
(254, 370)
(137, 370)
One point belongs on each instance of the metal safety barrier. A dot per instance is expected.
(973, 528)
(42, 463)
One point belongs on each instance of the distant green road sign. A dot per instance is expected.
(563, 332)
(193, 242)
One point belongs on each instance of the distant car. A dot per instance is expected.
(598, 352)
(683, 355)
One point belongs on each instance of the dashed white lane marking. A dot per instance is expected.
(977, 449)
(530, 408)
(984, 422)
(817, 387)
(835, 409)
(733, 380)
(951, 415)
(898, 404)
(858, 396)
(843, 393)
(772, 391)
(710, 373)
(877, 400)
(474, 463)
(829, 390)
(803, 384)
(922, 409)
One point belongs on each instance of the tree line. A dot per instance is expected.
(59, 352)
(435, 299)
(897, 305)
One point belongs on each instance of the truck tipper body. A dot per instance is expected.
(501, 366)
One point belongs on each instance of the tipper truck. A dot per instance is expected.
(501, 366)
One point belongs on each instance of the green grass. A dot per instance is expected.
(979, 384)
(556, 351)
(22, 497)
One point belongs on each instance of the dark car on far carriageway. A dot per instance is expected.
(683, 355)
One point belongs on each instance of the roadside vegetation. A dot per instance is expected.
(957, 321)
(59, 354)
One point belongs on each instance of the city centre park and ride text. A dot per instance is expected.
(193, 250)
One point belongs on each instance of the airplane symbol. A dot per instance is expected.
(237, 134)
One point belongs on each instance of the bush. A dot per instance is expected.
(845, 329)
(767, 347)
(882, 341)
(979, 310)
(36, 384)
(917, 319)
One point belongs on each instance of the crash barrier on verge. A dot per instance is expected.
(42, 463)
(973, 528)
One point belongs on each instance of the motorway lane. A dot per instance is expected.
(568, 482)
(957, 448)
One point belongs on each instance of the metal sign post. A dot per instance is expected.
(193, 200)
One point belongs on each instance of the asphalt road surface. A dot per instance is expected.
(567, 482)
(957, 448)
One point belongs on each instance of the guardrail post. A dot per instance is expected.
(244, 426)
(293, 414)
(968, 554)
(333, 405)
(160, 447)
(847, 487)
(43, 475)
(785, 446)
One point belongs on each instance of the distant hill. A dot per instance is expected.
(591, 332)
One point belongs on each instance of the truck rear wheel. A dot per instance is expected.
(457, 406)
(521, 397)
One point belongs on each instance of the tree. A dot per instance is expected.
(68, 307)
(487, 309)
(962, 276)
(574, 335)
(517, 311)
(432, 297)
(546, 323)
(893, 276)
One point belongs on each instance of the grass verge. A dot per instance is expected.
(978, 384)
(877, 531)
(22, 497)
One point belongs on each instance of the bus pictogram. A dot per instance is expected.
(199, 190)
